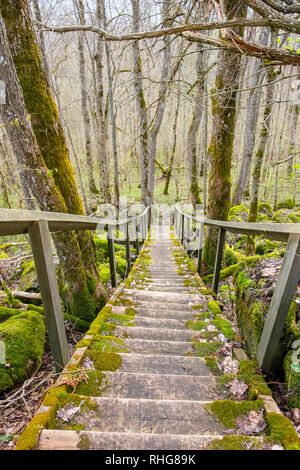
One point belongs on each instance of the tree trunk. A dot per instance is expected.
(221, 146)
(159, 114)
(140, 103)
(251, 123)
(50, 138)
(84, 102)
(264, 134)
(192, 140)
(104, 163)
(173, 151)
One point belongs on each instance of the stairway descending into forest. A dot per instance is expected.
(157, 398)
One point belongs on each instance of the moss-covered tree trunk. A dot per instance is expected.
(84, 99)
(263, 139)
(173, 151)
(224, 97)
(192, 141)
(51, 141)
(140, 104)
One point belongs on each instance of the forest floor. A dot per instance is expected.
(19, 406)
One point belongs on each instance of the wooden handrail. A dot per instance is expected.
(288, 278)
(39, 224)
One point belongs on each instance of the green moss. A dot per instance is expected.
(265, 208)
(281, 430)
(211, 363)
(80, 325)
(95, 386)
(207, 292)
(24, 338)
(214, 307)
(84, 442)
(234, 442)
(238, 213)
(228, 411)
(286, 204)
(292, 379)
(225, 327)
(84, 305)
(231, 256)
(108, 344)
(6, 313)
(249, 373)
(196, 325)
(104, 361)
(206, 349)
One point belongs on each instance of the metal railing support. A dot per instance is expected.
(42, 253)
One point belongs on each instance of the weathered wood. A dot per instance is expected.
(218, 261)
(182, 229)
(112, 258)
(46, 275)
(137, 238)
(281, 301)
(127, 244)
(200, 248)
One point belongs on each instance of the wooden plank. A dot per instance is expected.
(112, 258)
(137, 238)
(128, 249)
(218, 261)
(200, 248)
(281, 301)
(46, 275)
(182, 229)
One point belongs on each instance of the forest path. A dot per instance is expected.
(157, 397)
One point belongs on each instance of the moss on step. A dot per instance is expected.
(280, 429)
(211, 363)
(105, 361)
(206, 349)
(214, 307)
(228, 411)
(234, 442)
(224, 327)
(196, 325)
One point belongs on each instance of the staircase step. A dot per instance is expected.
(159, 387)
(156, 364)
(155, 416)
(73, 440)
(151, 305)
(158, 347)
(153, 333)
(168, 297)
(168, 289)
(155, 310)
(169, 323)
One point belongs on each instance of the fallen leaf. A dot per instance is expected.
(230, 366)
(238, 388)
(252, 423)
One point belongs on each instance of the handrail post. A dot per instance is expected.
(42, 253)
(112, 259)
(218, 261)
(128, 248)
(149, 217)
(200, 247)
(188, 233)
(281, 301)
(137, 238)
(182, 229)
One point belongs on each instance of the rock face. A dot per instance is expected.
(24, 338)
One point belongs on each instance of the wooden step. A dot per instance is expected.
(93, 440)
(157, 364)
(145, 346)
(153, 333)
(159, 387)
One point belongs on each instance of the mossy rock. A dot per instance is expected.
(281, 216)
(238, 213)
(231, 256)
(235, 442)
(265, 208)
(24, 338)
(3, 255)
(294, 217)
(6, 313)
(104, 273)
(265, 246)
(286, 204)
